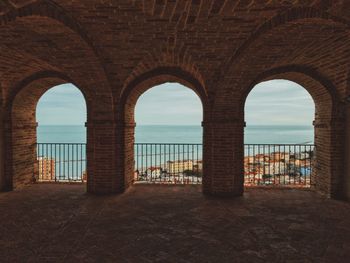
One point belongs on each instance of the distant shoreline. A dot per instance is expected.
(182, 125)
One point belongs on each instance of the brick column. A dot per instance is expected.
(328, 167)
(223, 173)
(337, 151)
(103, 177)
(322, 165)
(347, 155)
(20, 154)
(127, 152)
(2, 152)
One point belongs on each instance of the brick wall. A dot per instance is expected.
(115, 51)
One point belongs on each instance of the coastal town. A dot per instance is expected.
(283, 168)
(172, 172)
(261, 169)
(278, 168)
(49, 169)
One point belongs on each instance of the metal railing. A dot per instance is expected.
(278, 164)
(168, 163)
(61, 162)
(176, 163)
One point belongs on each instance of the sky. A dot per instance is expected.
(279, 102)
(169, 103)
(275, 102)
(61, 105)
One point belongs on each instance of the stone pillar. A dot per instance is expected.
(102, 174)
(223, 173)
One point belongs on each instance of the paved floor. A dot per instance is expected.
(60, 223)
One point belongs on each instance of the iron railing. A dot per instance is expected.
(168, 163)
(278, 164)
(176, 163)
(61, 162)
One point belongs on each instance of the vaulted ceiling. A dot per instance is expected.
(221, 42)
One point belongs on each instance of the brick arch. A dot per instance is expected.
(172, 58)
(127, 106)
(20, 125)
(135, 88)
(50, 9)
(319, 87)
(45, 8)
(328, 170)
(293, 14)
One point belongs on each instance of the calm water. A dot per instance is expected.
(183, 134)
(70, 161)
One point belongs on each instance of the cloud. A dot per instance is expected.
(279, 102)
(61, 105)
(275, 102)
(169, 104)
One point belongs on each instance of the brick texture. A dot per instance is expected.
(113, 51)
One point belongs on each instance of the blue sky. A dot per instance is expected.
(275, 102)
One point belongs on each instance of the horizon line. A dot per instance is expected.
(83, 125)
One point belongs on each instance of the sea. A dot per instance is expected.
(70, 160)
(253, 134)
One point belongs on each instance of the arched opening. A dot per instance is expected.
(327, 167)
(168, 136)
(51, 158)
(61, 135)
(181, 155)
(279, 135)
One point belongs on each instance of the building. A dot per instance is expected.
(154, 171)
(198, 166)
(84, 176)
(175, 167)
(46, 169)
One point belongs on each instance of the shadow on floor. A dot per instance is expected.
(60, 223)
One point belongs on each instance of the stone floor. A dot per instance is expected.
(60, 223)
